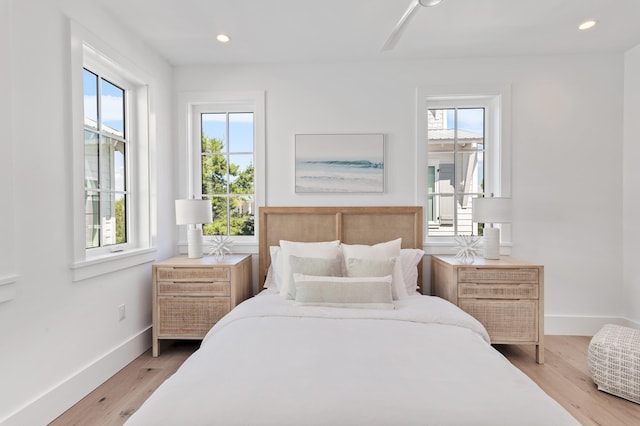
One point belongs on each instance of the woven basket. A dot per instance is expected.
(614, 361)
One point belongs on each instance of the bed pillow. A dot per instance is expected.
(324, 249)
(381, 251)
(344, 292)
(409, 261)
(315, 266)
(370, 267)
(274, 273)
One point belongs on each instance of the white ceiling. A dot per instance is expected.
(277, 31)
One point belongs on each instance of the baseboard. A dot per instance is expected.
(55, 401)
(575, 325)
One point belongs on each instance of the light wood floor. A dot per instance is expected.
(564, 376)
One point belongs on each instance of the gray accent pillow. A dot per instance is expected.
(370, 267)
(312, 266)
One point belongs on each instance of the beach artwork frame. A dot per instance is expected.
(339, 163)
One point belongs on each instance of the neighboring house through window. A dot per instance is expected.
(106, 137)
(464, 154)
(455, 138)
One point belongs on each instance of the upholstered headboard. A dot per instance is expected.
(351, 225)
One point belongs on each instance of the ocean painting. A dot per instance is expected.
(340, 163)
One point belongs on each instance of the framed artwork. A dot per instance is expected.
(339, 163)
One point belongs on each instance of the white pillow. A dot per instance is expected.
(324, 249)
(344, 292)
(409, 260)
(381, 251)
(273, 278)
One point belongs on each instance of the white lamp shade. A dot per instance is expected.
(491, 210)
(191, 212)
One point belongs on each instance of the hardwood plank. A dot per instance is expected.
(565, 377)
(119, 397)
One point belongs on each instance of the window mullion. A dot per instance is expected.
(455, 171)
(228, 179)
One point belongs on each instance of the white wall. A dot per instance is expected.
(58, 338)
(566, 142)
(631, 187)
(7, 264)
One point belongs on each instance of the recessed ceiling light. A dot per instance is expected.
(587, 24)
(223, 38)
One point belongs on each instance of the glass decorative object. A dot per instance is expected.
(468, 247)
(220, 247)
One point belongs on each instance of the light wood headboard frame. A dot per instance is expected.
(351, 225)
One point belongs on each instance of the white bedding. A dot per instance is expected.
(270, 362)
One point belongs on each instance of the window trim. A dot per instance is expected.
(87, 50)
(189, 104)
(497, 179)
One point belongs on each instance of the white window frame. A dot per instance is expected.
(190, 105)
(89, 51)
(110, 75)
(496, 99)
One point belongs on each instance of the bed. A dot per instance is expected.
(355, 344)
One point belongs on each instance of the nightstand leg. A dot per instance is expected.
(540, 354)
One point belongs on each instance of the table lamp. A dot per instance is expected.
(490, 210)
(193, 213)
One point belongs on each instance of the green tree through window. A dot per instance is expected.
(228, 174)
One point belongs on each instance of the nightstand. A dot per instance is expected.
(191, 295)
(505, 295)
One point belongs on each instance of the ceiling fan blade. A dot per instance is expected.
(399, 28)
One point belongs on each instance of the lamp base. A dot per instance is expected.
(194, 241)
(491, 243)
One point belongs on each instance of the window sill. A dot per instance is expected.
(450, 248)
(90, 268)
(238, 246)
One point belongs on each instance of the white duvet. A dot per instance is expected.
(270, 362)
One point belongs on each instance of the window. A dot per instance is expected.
(456, 145)
(227, 165)
(225, 161)
(106, 143)
(463, 154)
(111, 176)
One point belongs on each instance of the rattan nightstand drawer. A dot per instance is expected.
(171, 288)
(507, 321)
(192, 274)
(498, 291)
(190, 316)
(497, 275)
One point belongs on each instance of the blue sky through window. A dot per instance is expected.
(470, 119)
(240, 134)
